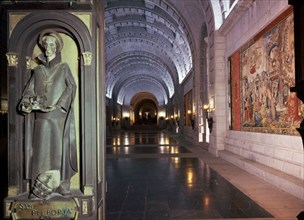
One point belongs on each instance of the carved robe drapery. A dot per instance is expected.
(52, 144)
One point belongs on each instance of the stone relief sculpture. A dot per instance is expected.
(51, 158)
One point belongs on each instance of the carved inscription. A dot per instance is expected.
(40, 210)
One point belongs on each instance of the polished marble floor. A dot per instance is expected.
(153, 175)
(173, 188)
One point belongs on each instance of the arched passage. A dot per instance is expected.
(145, 108)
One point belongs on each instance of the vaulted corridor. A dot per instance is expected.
(152, 109)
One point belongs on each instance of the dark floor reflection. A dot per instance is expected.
(164, 188)
(141, 138)
(147, 150)
(173, 188)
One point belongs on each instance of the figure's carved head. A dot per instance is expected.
(49, 34)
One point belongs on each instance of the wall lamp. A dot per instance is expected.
(208, 110)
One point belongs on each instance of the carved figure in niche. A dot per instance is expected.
(48, 98)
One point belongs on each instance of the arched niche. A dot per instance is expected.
(23, 44)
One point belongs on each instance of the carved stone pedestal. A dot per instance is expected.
(57, 207)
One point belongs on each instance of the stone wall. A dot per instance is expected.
(280, 152)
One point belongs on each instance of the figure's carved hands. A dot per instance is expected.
(50, 108)
(26, 107)
(37, 102)
(36, 106)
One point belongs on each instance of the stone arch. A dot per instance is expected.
(148, 104)
(30, 26)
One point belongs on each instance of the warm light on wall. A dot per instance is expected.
(209, 109)
(189, 111)
(206, 107)
(162, 114)
(125, 114)
(212, 103)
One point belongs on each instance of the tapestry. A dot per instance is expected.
(235, 91)
(267, 73)
(188, 108)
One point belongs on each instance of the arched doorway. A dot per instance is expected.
(145, 108)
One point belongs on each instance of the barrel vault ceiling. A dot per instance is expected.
(149, 45)
(147, 49)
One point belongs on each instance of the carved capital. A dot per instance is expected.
(12, 59)
(13, 190)
(87, 58)
(88, 190)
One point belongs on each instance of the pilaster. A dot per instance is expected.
(218, 93)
